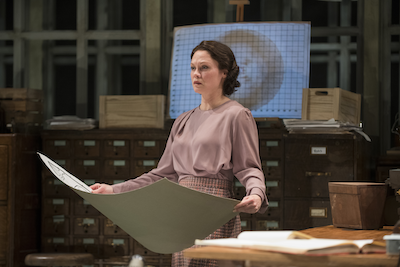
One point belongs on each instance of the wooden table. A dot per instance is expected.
(250, 257)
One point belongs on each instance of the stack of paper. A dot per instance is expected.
(329, 126)
(70, 123)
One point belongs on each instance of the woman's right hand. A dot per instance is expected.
(102, 189)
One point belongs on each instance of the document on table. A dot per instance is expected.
(164, 216)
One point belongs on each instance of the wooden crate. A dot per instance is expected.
(20, 93)
(328, 103)
(131, 111)
(22, 106)
(357, 205)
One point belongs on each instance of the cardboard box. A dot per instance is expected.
(131, 111)
(357, 205)
(328, 103)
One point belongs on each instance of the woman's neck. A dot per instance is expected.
(212, 102)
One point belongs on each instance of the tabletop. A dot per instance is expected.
(249, 257)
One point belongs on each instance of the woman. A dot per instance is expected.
(211, 144)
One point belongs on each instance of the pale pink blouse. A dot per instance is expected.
(220, 143)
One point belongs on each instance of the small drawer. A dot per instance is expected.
(274, 189)
(86, 226)
(87, 245)
(239, 190)
(272, 168)
(115, 246)
(117, 148)
(87, 168)
(55, 244)
(144, 165)
(302, 213)
(267, 224)
(112, 229)
(56, 206)
(271, 148)
(56, 148)
(147, 149)
(141, 250)
(117, 167)
(87, 148)
(56, 225)
(83, 207)
(54, 187)
(274, 209)
(246, 221)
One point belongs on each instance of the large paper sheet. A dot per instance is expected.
(164, 216)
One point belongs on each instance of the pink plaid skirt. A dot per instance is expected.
(231, 229)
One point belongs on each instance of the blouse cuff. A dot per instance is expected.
(117, 188)
(264, 201)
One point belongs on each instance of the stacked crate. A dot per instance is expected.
(23, 109)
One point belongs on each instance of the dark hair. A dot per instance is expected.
(226, 61)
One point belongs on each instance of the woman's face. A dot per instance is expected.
(206, 77)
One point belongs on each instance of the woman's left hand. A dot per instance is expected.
(249, 204)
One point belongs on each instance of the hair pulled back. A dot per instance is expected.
(226, 61)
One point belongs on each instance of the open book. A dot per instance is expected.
(295, 242)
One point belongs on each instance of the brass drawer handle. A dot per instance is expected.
(318, 174)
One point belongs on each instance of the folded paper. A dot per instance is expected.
(164, 216)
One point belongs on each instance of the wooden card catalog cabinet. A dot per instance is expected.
(19, 198)
(72, 224)
(313, 160)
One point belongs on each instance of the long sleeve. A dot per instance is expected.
(245, 156)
